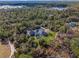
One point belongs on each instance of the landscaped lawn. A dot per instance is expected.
(48, 39)
(4, 51)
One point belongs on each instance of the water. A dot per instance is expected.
(57, 8)
(9, 7)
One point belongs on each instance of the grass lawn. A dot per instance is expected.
(4, 51)
(48, 39)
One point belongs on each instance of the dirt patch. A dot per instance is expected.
(4, 51)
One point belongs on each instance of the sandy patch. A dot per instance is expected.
(5, 51)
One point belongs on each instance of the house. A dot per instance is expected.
(72, 24)
(38, 31)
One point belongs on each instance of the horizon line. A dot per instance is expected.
(41, 0)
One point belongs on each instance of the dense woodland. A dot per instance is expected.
(15, 22)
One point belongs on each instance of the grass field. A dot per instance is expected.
(4, 51)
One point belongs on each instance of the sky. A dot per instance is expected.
(39, 0)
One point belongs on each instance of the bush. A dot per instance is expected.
(25, 56)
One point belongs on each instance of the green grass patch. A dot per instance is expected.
(48, 39)
(75, 46)
(25, 56)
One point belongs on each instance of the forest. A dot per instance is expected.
(62, 40)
